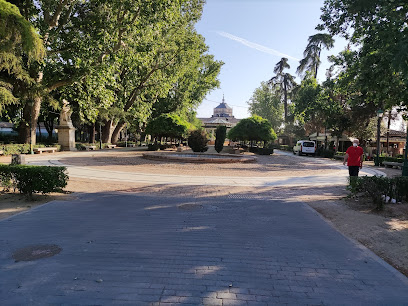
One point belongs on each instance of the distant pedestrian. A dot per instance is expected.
(354, 158)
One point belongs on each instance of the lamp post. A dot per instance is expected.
(379, 117)
(100, 136)
(31, 103)
(405, 165)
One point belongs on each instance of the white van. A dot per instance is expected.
(307, 147)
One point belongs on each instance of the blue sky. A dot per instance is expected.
(250, 37)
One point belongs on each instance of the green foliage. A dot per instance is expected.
(33, 179)
(264, 151)
(254, 128)
(10, 149)
(285, 148)
(220, 135)
(311, 60)
(197, 141)
(266, 102)
(153, 147)
(167, 125)
(380, 189)
(20, 45)
(285, 82)
(380, 65)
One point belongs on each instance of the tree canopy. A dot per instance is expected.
(254, 128)
(265, 102)
(168, 125)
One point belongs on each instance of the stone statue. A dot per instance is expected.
(66, 130)
(65, 114)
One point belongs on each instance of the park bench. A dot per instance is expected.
(111, 146)
(90, 148)
(47, 149)
(181, 148)
(341, 157)
(389, 164)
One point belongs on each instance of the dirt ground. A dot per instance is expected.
(385, 233)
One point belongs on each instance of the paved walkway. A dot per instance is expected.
(128, 249)
(334, 178)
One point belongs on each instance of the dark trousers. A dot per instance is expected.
(353, 170)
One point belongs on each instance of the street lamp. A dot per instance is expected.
(380, 113)
(31, 104)
(405, 165)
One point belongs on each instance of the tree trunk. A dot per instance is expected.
(285, 101)
(388, 132)
(107, 131)
(116, 132)
(92, 133)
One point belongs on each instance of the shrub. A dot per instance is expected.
(220, 135)
(265, 151)
(197, 141)
(380, 188)
(24, 148)
(285, 148)
(33, 179)
(328, 153)
(153, 147)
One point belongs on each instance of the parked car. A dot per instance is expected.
(307, 147)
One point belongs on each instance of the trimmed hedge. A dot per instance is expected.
(285, 148)
(197, 141)
(33, 179)
(220, 135)
(9, 149)
(380, 188)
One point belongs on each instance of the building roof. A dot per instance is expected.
(395, 133)
(224, 105)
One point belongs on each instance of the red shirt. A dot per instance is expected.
(354, 154)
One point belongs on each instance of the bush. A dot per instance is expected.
(123, 143)
(197, 141)
(33, 179)
(285, 148)
(153, 147)
(380, 188)
(220, 135)
(265, 151)
(327, 153)
(24, 148)
(392, 159)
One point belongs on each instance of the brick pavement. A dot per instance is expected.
(150, 250)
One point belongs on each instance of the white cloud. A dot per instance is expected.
(255, 45)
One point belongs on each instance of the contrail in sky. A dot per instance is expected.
(255, 45)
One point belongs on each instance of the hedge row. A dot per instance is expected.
(9, 149)
(33, 179)
(381, 189)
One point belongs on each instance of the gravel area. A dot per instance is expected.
(273, 165)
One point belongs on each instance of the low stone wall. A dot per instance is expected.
(199, 157)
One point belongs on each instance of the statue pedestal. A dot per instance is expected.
(66, 137)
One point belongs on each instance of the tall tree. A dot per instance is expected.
(285, 82)
(20, 48)
(311, 60)
(266, 102)
(379, 31)
(80, 36)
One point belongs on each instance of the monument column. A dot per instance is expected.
(66, 131)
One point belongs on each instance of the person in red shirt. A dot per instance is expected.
(354, 158)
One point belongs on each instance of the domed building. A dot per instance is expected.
(222, 115)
